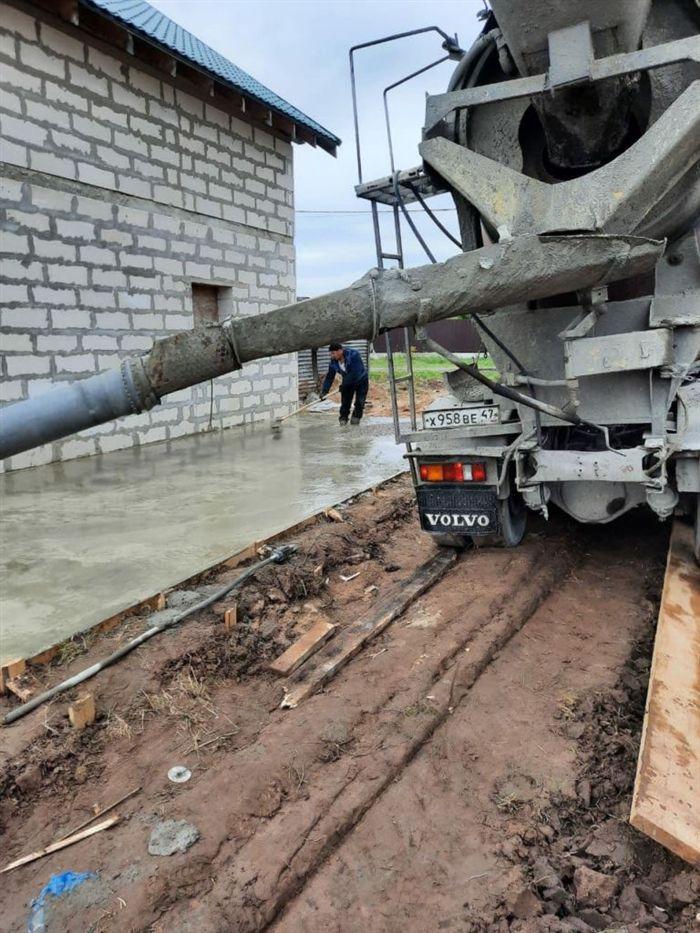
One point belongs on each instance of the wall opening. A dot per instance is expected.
(211, 302)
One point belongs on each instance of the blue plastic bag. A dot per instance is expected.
(57, 886)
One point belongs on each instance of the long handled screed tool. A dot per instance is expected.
(277, 423)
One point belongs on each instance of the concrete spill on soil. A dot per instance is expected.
(172, 836)
(85, 539)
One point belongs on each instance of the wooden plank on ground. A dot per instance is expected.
(10, 670)
(61, 844)
(666, 799)
(303, 648)
(345, 646)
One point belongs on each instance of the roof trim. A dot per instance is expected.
(142, 20)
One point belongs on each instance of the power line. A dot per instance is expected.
(365, 213)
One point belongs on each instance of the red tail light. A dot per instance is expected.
(453, 472)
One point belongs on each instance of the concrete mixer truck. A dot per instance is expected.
(570, 144)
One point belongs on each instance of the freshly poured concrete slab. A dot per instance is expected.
(85, 539)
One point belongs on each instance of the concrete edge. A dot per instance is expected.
(157, 601)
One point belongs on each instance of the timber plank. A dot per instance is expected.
(303, 648)
(666, 799)
(344, 647)
(11, 670)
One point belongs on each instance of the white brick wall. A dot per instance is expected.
(89, 116)
(117, 191)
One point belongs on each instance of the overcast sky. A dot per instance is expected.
(299, 49)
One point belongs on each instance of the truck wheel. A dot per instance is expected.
(458, 542)
(512, 514)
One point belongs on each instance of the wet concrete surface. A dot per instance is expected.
(85, 539)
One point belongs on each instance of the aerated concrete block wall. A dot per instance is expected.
(117, 192)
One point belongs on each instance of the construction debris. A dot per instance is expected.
(61, 844)
(99, 811)
(81, 712)
(296, 654)
(9, 671)
(178, 774)
(231, 617)
(358, 634)
(172, 836)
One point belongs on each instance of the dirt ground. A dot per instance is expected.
(470, 769)
(379, 397)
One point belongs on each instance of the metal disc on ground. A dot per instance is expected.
(179, 774)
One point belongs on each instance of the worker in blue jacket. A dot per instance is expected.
(348, 364)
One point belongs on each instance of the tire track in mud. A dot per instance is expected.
(446, 694)
(254, 884)
(414, 859)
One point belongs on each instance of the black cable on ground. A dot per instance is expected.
(278, 556)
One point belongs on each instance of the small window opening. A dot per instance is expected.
(206, 303)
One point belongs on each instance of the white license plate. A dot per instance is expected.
(460, 417)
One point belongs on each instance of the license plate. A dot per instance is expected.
(460, 417)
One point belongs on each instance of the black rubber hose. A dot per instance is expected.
(436, 220)
(505, 391)
(278, 556)
(514, 359)
(470, 58)
(409, 219)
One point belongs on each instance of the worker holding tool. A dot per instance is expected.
(348, 364)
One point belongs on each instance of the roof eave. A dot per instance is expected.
(255, 109)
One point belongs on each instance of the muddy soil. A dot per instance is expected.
(470, 769)
(379, 397)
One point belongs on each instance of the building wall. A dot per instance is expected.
(117, 192)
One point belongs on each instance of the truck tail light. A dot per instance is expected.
(432, 472)
(453, 472)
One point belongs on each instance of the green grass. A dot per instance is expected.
(426, 366)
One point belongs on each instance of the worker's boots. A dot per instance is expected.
(354, 420)
(342, 422)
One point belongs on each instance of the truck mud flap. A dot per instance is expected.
(450, 508)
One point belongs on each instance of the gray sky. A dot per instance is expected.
(299, 49)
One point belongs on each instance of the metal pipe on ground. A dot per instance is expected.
(278, 556)
(518, 269)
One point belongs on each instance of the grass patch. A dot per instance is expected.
(73, 648)
(426, 366)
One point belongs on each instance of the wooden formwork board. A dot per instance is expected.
(323, 666)
(666, 800)
(157, 601)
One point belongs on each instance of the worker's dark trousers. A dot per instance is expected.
(358, 391)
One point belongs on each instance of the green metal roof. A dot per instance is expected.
(145, 21)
